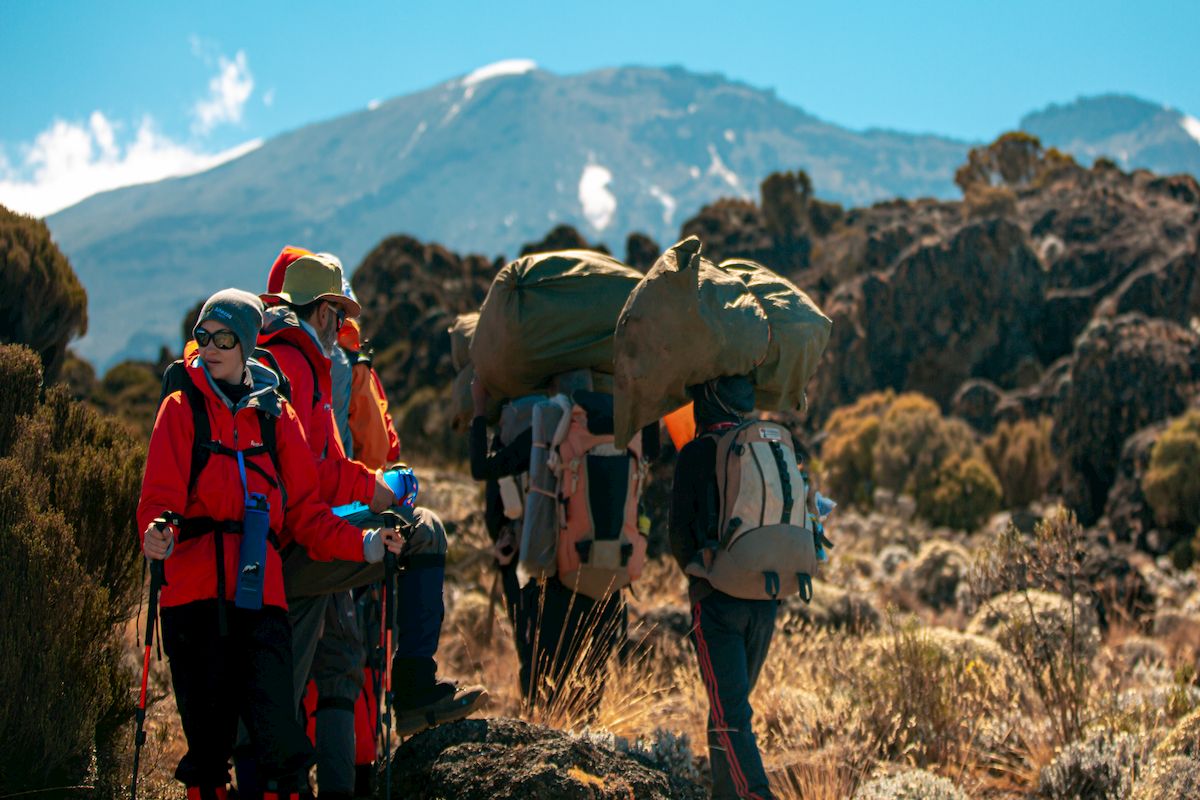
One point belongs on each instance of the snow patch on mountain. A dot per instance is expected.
(717, 167)
(509, 66)
(1192, 126)
(599, 204)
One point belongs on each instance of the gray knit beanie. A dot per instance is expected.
(240, 311)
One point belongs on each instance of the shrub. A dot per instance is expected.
(1101, 767)
(914, 441)
(42, 303)
(20, 385)
(934, 574)
(981, 201)
(68, 490)
(1036, 600)
(1172, 482)
(965, 492)
(916, 784)
(1022, 459)
(850, 436)
(902, 443)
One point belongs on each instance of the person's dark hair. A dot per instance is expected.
(305, 312)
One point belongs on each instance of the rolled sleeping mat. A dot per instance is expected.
(539, 534)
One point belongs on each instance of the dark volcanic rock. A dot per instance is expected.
(411, 293)
(976, 402)
(1126, 373)
(641, 251)
(505, 759)
(1129, 514)
(957, 308)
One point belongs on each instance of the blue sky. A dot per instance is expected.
(100, 94)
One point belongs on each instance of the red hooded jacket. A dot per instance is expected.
(191, 569)
(300, 358)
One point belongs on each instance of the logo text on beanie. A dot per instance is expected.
(222, 312)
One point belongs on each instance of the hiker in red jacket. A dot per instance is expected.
(299, 330)
(226, 635)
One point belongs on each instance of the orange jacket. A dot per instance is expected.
(376, 442)
(191, 569)
(342, 480)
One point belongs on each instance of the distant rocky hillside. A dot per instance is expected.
(1129, 130)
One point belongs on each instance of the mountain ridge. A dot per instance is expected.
(483, 166)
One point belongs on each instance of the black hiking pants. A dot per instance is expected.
(732, 637)
(247, 675)
(569, 639)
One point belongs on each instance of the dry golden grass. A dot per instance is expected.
(831, 708)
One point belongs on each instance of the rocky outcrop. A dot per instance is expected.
(1126, 373)
(506, 759)
(411, 293)
(1129, 513)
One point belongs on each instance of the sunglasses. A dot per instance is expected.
(341, 314)
(223, 339)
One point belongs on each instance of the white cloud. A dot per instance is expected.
(599, 204)
(72, 160)
(228, 92)
(68, 162)
(269, 98)
(373, 104)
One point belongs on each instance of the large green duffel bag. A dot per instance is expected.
(689, 321)
(549, 313)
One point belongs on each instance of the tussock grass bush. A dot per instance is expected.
(915, 784)
(69, 480)
(1183, 740)
(922, 700)
(1172, 483)
(1175, 778)
(934, 574)
(1042, 620)
(1020, 454)
(1101, 767)
(903, 444)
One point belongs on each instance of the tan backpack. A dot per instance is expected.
(600, 549)
(766, 536)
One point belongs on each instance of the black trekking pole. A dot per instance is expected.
(157, 581)
(390, 520)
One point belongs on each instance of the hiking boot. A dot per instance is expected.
(422, 701)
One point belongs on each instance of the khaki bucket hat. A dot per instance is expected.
(312, 278)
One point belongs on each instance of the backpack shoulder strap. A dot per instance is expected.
(268, 360)
(266, 424)
(316, 391)
(201, 431)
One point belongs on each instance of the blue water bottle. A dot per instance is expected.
(403, 483)
(252, 558)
